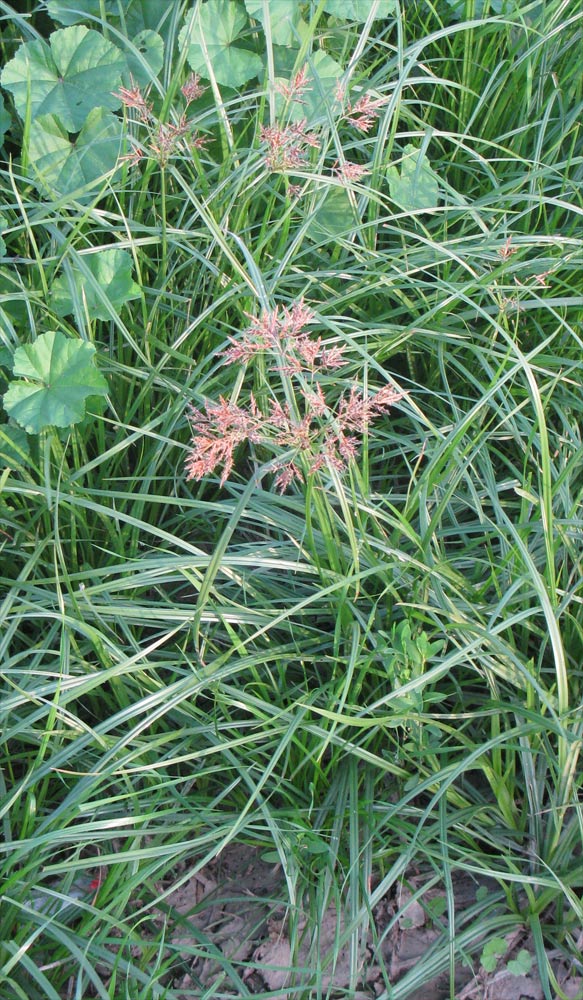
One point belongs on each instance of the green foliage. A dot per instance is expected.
(102, 285)
(360, 10)
(63, 165)
(60, 376)
(370, 672)
(479, 8)
(521, 965)
(72, 11)
(283, 20)
(14, 449)
(318, 100)
(336, 215)
(145, 58)
(492, 952)
(210, 36)
(413, 184)
(5, 119)
(496, 948)
(407, 657)
(68, 78)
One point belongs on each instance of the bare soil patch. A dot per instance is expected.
(230, 924)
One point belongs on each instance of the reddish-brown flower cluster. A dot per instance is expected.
(283, 334)
(364, 113)
(132, 97)
(348, 171)
(216, 435)
(287, 146)
(163, 136)
(296, 87)
(507, 250)
(192, 89)
(312, 433)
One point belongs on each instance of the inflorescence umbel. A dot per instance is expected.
(307, 432)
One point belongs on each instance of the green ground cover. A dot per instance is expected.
(291, 473)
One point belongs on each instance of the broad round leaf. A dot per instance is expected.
(414, 185)
(62, 166)
(104, 283)
(5, 119)
(210, 38)
(145, 58)
(61, 376)
(3, 225)
(335, 215)
(284, 19)
(359, 10)
(69, 78)
(73, 11)
(151, 14)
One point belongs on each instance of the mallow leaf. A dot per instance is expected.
(212, 37)
(5, 119)
(2, 243)
(151, 15)
(359, 10)
(104, 283)
(284, 19)
(414, 185)
(71, 76)
(145, 58)
(60, 377)
(63, 165)
(14, 450)
(73, 11)
(334, 216)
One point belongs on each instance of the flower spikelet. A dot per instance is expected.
(332, 357)
(216, 434)
(349, 172)
(287, 475)
(385, 398)
(269, 332)
(132, 97)
(306, 426)
(286, 146)
(316, 401)
(365, 112)
(192, 89)
(296, 87)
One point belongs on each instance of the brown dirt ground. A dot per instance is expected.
(229, 919)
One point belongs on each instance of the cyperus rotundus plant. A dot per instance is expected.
(311, 432)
